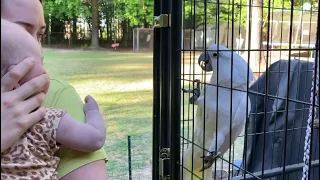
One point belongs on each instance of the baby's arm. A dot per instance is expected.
(86, 137)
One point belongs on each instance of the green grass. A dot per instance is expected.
(122, 85)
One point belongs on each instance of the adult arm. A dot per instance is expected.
(19, 106)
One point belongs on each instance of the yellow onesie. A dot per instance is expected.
(62, 95)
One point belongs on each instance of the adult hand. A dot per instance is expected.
(21, 106)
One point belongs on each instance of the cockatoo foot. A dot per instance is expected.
(209, 159)
(195, 97)
(195, 92)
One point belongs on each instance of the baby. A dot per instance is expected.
(33, 156)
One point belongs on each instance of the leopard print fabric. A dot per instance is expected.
(32, 157)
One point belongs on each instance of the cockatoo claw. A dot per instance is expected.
(196, 92)
(196, 95)
(209, 160)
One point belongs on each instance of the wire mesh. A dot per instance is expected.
(142, 39)
(139, 167)
(277, 40)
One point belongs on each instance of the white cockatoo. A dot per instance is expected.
(207, 110)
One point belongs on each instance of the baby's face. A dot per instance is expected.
(34, 51)
(17, 45)
(37, 70)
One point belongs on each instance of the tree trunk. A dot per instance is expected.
(95, 24)
(57, 32)
(256, 57)
(74, 30)
(145, 23)
(101, 28)
(101, 32)
(130, 35)
(124, 28)
(108, 30)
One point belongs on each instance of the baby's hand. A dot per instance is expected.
(90, 104)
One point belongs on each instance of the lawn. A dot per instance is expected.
(122, 85)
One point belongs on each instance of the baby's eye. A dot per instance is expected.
(39, 37)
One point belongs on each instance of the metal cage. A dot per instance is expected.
(279, 41)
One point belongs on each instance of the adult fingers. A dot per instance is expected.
(32, 103)
(32, 87)
(11, 78)
(31, 119)
(18, 125)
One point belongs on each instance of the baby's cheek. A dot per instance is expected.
(36, 71)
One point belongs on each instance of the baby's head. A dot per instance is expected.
(16, 45)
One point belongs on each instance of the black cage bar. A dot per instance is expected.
(175, 91)
(156, 97)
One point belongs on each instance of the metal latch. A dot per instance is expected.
(164, 155)
(163, 20)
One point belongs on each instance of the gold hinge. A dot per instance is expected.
(164, 155)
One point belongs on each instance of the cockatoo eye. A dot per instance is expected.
(215, 54)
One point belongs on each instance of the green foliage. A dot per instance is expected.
(230, 10)
(139, 13)
(61, 9)
(107, 9)
(136, 12)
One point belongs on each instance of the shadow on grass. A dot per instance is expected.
(85, 55)
(126, 113)
(112, 71)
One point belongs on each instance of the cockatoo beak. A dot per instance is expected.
(204, 62)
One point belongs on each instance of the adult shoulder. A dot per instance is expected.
(57, 89)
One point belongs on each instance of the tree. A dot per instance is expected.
(121, 16)
(194, 11)
(95, 23)
(258, 30)
(136, 12)
(62, 9)
(58, 11)
(107, 14)
(254, 12)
